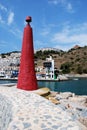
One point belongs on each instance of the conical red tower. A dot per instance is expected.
(27, 78)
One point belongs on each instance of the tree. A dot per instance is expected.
(65, 67)
(79, 70)
(3, 55)
(85, 71)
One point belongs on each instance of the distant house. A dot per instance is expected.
(2, 73)
(49, 67)
(76, 47)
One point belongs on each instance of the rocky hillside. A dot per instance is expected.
(72, 61)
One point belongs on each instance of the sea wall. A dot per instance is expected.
(24, 110)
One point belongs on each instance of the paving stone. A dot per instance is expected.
(25, 110)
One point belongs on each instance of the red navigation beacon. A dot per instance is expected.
(28, 19)
(27, 77)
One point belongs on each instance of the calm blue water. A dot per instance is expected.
(78, 87)
(7, 81)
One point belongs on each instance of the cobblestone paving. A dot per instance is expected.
(29, 111)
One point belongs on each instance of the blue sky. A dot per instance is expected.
(56, 23)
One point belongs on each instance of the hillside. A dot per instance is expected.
(72, 61)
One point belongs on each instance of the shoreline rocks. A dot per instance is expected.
(75, 105)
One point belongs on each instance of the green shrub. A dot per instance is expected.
(65, 67)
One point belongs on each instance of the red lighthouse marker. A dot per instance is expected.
(27, 77)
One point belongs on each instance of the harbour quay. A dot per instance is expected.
(26, 110)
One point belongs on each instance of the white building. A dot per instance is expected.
(49, 68)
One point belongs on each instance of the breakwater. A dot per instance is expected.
(29, 111)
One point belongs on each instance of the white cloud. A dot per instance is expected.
(10, 18)
(1, 20)
(45, 32)
(63, 47)
(71, 36)
(12, 29)
(39, 44)
(64, 3)
(3, 10)
(55, 2)
(69, 7)
(16, 32)
(3, 7)
(66, 38)
(6, 12)
(3, 43)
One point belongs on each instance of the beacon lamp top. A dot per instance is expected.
(28, 19)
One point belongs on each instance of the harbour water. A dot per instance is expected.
(77, 86)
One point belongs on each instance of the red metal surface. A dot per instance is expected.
(28, 19)
(27, 78)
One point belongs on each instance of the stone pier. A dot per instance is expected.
(25, 110)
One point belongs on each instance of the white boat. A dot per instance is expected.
(75, 79)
